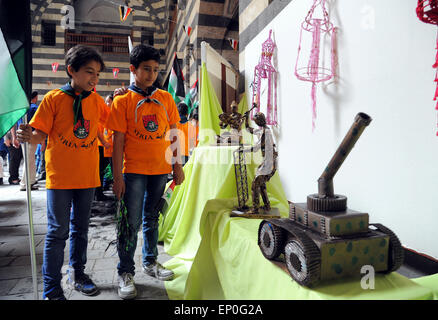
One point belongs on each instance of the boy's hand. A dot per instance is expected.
(178, 174)
(24, 134)
(15, 143)
(119, 188)
(120, 91)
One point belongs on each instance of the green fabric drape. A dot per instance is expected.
(243, 104)
(209, 175)
(209, 110)
(230, 265)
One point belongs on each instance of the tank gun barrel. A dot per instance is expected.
(325, 181)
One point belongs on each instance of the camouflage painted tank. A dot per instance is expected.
(323, 239)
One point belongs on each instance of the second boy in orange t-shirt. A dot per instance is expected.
(183, 127)
(141, 120)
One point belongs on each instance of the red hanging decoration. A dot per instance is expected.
(233, 43)
(115, 72)
(55, 66)
(188, 30)
(427, 11)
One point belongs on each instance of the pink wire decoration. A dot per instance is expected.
(314, 72)
(265, 70)
(427, 11)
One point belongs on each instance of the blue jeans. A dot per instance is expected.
(142, 193)
(68, 211)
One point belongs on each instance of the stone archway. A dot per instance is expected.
(37, 13)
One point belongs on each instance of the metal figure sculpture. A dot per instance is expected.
(265, 70)
(267, 168)
(235, 121)
(314, 71)
(240, 171)
(427, 11)
(264, 172)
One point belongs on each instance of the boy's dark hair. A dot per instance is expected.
(143, 52)
(80, 55)
(33, 95)
(183, 109)
(195, 114)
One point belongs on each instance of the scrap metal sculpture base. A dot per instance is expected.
(271, 214)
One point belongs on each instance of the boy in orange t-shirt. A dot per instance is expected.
(108, 152)
(193, 132)
(105, 144)
(69, 117)
(142, 120)
(183, 127)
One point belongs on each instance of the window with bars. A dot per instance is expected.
(147, 38)
(48, 33)
(112, 44)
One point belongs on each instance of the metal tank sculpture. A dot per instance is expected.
(323, 239)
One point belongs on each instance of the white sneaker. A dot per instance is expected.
(158, 271)
(127, 288)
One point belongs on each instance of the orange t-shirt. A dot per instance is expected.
(193, 133)
(183, 136)
(146, 145)
(100, 129)
(108, 134)
(71, 162)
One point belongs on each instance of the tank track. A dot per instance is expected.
(278, 240)
(312, 254)
(396, 253)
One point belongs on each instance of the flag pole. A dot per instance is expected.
(131, 75)
(30, 216)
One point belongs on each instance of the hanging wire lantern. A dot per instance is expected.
(265, 70)
(427, 11)
(315, 71)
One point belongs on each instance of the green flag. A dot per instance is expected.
(15, 62)
(176, 82)
(209, 111)
(191, 97)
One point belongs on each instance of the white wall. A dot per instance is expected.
(385, 70)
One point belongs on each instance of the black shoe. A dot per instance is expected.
(61, 297)
(83, 284)
(33, 186)
(101, 197)
(14, 182)
(56, 296)
(1, 181)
